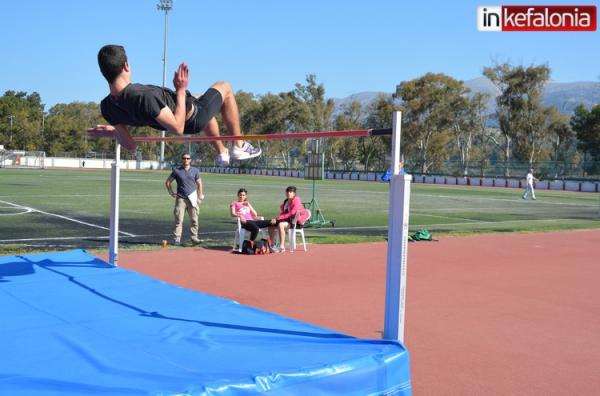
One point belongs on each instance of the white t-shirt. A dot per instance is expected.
(529, 178)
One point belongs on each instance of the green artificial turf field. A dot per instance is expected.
(47, 209)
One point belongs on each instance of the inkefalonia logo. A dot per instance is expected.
(537, 18)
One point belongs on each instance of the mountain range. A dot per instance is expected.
(564, 96)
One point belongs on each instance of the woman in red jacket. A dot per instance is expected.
(290, 208)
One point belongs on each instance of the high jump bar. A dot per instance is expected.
(271, 136)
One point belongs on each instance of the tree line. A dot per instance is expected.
(442, 121)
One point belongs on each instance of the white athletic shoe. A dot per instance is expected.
(223, 159)
(247, 151)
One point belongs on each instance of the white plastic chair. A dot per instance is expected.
(240, 235)
(293, 231)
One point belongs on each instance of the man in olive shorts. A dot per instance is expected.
(177, 112)
(189, 196)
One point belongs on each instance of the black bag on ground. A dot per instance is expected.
(262, 246)
(247, 247)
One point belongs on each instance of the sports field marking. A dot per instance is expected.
(143, 180)
(24, 211)
(16, 213)
(448, 217)
(51, 239)
(73, 238)
(325, 190)
(473, 222)
(483, 222)
(77, 195)
(62, 217)
(379, 227)
(463, 209)
(281, 187)
(514, 200)
(145, 212)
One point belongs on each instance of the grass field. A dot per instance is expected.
(58, 209)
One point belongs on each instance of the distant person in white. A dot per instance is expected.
(529, 188)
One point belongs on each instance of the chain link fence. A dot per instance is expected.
(559, 170)
(295, 161)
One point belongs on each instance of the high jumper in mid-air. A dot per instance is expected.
(177, 112)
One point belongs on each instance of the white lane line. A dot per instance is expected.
(62, 217)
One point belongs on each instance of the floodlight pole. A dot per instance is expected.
(166, 6)
(399, 202)
(11, 118)
(43, 127)
(113, 243)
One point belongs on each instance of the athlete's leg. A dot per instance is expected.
(229, 110)
(220, 99)
(212, 129)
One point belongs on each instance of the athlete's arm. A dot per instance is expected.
(118, 132)
(100, 131)
(174, 123)
(124, 137)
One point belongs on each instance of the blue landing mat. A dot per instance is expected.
(73, 325)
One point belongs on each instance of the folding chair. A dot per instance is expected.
(296, 229)
(240, 235)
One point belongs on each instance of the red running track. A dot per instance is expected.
(514, 314)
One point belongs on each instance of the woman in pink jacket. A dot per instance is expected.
(290, 208)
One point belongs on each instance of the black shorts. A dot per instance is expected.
(205, 109)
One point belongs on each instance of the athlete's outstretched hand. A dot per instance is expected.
(102, 131)
(182, 77)
(118, 132)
